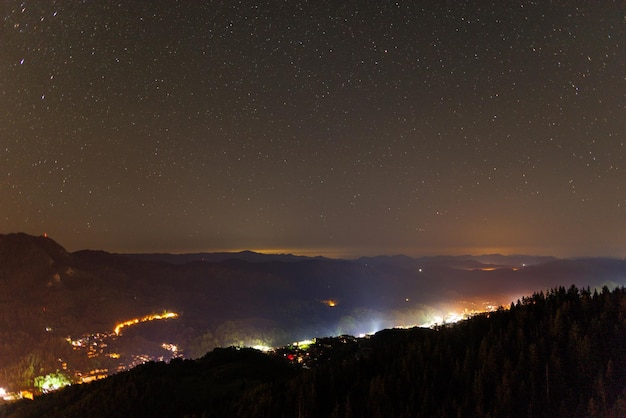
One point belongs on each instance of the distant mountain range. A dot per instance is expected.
(249, 256)
(48, 294)
(254, 257)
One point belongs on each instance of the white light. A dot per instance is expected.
(263, 348)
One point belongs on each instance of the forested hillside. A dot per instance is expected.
(555, 355)
(558, 354)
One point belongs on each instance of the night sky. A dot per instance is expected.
(316, 127)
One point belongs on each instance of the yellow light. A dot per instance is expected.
(153, 317)
(330, 302)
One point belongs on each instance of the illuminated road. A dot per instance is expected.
(147, 318)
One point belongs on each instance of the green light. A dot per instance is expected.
(51, 382)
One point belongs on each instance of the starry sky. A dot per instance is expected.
(316, 127)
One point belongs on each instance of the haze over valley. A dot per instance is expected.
(89, 314)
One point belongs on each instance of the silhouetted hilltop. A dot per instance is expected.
(21, 252)
(553, 354)
(180, 388)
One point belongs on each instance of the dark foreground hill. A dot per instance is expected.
(560, 354)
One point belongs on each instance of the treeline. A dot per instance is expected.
(556, 354)
(560, 354)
